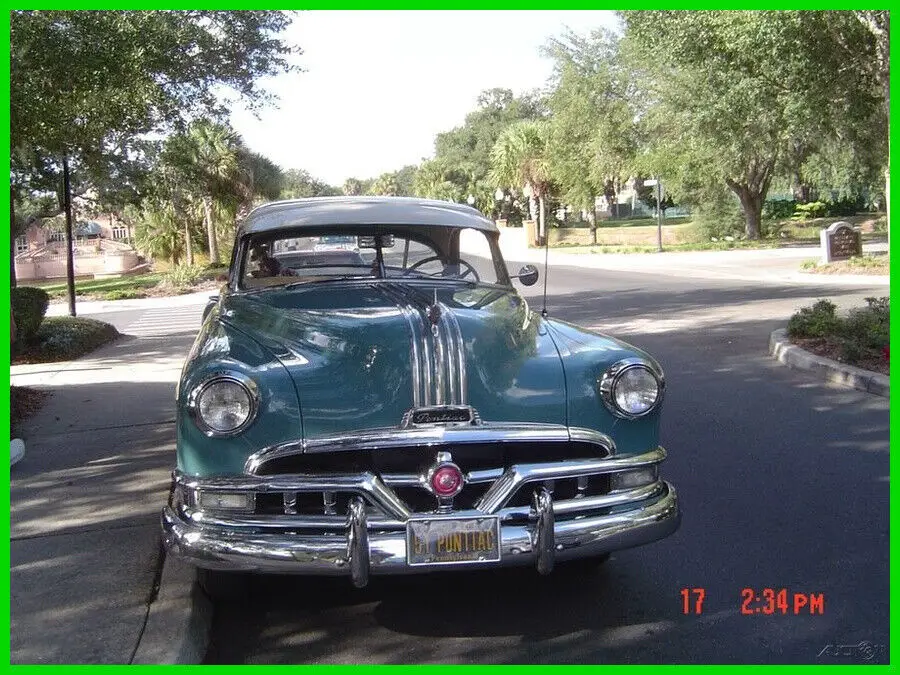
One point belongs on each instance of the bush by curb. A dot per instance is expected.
(832, 371)
(29, 305)
(63, 338)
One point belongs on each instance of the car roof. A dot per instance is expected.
(350, 211)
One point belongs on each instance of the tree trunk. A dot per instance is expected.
(887, 201)
(12, 238)
(593, 221)
(210, 232)
(70, 260)
(752, 206)
(542, 227)
(188, 245)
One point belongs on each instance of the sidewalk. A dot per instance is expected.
(85, 502)
(780, 265)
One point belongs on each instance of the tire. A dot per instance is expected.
(222, 586)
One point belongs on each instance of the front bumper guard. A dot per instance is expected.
(359, 551)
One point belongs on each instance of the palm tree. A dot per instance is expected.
(520, 158)
(213, 170)
(258, 177)
(157, 230)
(353, 186)
(386, 184)
(432, 181)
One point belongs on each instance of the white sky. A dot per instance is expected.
(378, 86)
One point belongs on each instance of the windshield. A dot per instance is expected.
(296, 257)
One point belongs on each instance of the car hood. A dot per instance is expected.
(361, 355)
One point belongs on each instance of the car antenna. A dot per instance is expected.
(546, 256)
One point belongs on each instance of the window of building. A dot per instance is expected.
(21, 244)
(56, 235)
(120, 232)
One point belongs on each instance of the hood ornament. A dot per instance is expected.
(434, 314)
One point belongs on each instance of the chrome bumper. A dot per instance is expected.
(363, 548)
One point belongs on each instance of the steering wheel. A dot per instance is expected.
(469, 269)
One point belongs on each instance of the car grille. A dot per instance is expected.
(401, 469)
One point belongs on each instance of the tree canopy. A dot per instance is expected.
(742, 97)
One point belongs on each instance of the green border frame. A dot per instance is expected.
(474, 5)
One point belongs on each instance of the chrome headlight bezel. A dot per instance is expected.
(240, 379)
(613, 375)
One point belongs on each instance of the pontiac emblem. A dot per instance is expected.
(439, 415)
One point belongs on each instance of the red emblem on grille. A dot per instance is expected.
(446, 480)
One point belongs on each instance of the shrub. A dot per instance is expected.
(29, 305)
(67, 337)
(864, 332)
(869, 327)
(810, 210)
(184, 275)
(846, 206)
(820, 320)
(778, 209)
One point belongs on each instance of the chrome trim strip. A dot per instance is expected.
(427, 358)
(573, 507)
(516, 476)
(418, 480)
(450, 355)
(414, 355)
(283, 522)
(459, 351)
(567, 507)
(544, 542)
(365, 483)
(288, 553)
(393, 437)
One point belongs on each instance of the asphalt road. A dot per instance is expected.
(784, 484)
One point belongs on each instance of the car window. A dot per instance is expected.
(293, 258)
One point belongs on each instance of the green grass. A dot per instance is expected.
(698, 246)
(866, 264)
(122, 288)
(57, 289)
(630, 222)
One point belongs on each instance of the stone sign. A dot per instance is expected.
(840, 241)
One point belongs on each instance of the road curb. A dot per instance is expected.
(178, 621)
(827, 369)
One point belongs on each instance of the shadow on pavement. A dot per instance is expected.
(784, 484)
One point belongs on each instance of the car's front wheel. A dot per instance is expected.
(222, 586)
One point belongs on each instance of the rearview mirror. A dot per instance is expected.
(387, 241)
(527, 276)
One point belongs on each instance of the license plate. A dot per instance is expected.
(447, 541)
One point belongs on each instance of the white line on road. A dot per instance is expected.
(165, 321)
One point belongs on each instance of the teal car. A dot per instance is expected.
(369, 394)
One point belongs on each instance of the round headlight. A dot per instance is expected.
(224, 405)
(631, 388)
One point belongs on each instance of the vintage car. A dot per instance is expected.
(391, 405)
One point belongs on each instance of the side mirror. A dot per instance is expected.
(527, 276)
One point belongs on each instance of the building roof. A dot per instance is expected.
(317, 211)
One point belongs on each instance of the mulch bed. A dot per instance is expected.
(24, 402)
(831, 349)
